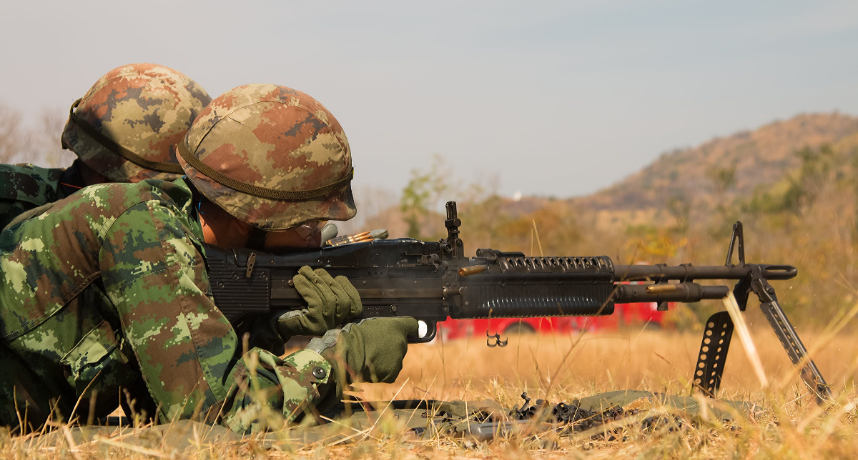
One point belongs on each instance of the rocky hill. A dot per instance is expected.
(702, 174)
(718, 171)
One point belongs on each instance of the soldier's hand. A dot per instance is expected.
(371, 350)
(330, 303)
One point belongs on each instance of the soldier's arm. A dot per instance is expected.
(189, 355)
(24, 187)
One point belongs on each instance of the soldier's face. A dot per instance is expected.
(293, 238)
(221, 229)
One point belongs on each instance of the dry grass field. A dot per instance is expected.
(580, 365)
(785, 423)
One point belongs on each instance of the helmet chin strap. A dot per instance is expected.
(256, 240)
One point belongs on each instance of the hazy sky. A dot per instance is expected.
(551, 98)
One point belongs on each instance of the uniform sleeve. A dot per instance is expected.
(24, 187)
(189, 355)
(9, 209)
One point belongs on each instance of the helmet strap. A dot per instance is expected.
(256, 240)
(261, 192)
(114, 147)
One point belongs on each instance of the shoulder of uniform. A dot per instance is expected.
(29, 183)
(116, 199)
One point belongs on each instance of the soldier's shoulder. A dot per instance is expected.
(121, 195)
(100, 205)
(29, 183)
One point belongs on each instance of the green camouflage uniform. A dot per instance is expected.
(25, 186)
(107, 291)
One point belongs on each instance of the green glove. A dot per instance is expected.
(371, 350)
(330, 303)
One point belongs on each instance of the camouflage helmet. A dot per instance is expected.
(127, 125)
(270, 156)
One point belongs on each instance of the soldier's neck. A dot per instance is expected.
(91, 176)
(220, 229)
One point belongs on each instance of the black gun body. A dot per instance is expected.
(406, 277)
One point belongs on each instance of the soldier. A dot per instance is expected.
(107, 291)
(124, 129)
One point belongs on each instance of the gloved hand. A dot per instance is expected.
(371, 350)
(330, 303)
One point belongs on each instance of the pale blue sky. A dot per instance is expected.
(552, 98)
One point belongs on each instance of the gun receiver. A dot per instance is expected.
(433, 281)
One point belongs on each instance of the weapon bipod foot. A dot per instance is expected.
(716, 344)
(713, 353)
(790, 341)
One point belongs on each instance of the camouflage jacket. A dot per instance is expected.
(26, 186)
(108, 288)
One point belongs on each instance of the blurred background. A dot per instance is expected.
(638, 130)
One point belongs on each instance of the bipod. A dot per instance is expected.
(719, 330)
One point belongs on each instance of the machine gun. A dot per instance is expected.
(433, 281)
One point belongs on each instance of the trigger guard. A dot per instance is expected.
(431, 331)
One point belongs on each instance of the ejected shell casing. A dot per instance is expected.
(662, 288)
(472, 270)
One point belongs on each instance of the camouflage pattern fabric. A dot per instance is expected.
(109, 286)
(145, 108)
(25, 186)
(274, 138)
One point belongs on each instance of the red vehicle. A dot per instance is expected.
(630, 314)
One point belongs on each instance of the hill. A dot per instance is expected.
(720, 171)
(703, 174)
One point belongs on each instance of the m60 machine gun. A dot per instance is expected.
(433, 281)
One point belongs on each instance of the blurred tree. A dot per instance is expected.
(423, 194)
(39, 145)
(45, 140)
(651, 243)
(13, 138)
(679, 208)
(723, 179)
(816, 172)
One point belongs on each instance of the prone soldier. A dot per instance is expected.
(105, 296)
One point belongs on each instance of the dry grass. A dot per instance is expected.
(605, 361)
(558, 368)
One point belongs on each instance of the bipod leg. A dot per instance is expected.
(713, 353)
(789, 339)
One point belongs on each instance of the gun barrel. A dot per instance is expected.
(680, 292)
(688, 272)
